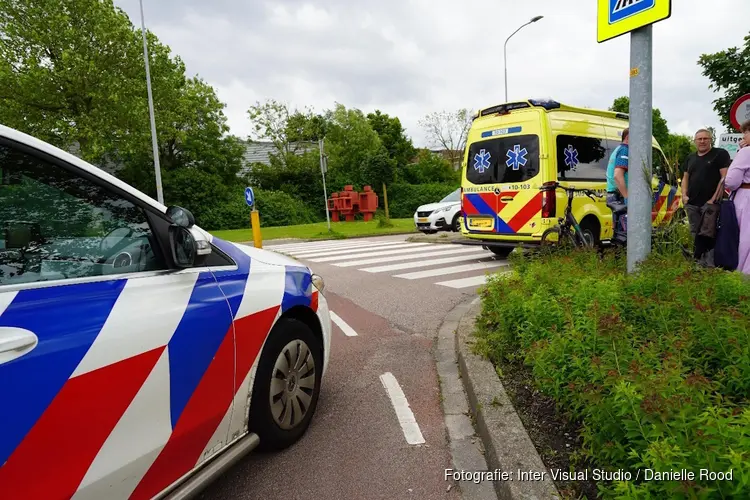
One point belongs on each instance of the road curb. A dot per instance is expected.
(467, 455)
(508, 447)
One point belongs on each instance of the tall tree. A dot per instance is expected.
(448, 130)
(729, 73)
(72, 73)
(393, 136)
(351, 142)
(660, 130)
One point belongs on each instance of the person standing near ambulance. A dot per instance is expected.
(617, 174)
(704, 170)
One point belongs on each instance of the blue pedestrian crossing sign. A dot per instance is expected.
(617, 17)
(249, 196)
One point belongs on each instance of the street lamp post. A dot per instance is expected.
(505, 55)
(154, 143)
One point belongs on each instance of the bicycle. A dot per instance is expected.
(568, 230)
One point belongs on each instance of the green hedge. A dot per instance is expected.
(276, 208)
(403, 199)
(654, 365)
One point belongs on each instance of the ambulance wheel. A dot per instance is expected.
(287, 385)
(456, 226)
(501, 252)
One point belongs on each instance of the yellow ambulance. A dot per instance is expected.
(517, 151)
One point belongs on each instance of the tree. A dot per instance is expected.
(729, 73)
(448, 130)
(676, 149)
(393, 136)
(350, 143)
(72, 73)
(660, 130)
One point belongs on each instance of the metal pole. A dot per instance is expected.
(154, 143)
(505, 61)
(323, 171)
(640, 153)
(505, 51)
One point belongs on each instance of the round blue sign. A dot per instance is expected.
(249, 196)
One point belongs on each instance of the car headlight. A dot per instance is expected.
(318, 282)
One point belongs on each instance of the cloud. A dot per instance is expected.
(412, 57)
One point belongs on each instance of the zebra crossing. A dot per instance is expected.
(446, 265)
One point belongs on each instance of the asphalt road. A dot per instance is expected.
(385, 326)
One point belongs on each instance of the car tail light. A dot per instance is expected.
(549, 200)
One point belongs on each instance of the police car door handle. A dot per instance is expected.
(15, 342)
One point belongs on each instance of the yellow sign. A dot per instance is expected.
(617, 17)
(634, 72)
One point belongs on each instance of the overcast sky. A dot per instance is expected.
(411, 57)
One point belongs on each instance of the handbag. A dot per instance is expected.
(727, 248)
(710, 217)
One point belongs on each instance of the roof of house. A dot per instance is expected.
(260, 152)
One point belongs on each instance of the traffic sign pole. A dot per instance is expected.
(640, 144)
(323, 168)
(254, 217)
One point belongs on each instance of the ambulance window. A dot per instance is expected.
(582, 158)
(660, 167)
(501, 160)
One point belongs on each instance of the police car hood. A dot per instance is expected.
(268, 256)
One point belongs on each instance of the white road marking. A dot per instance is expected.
(404, 414)
(374, 248)
(340, 246)
(350, 242)
(317, 247)
(348, 330)
(479, 256)
(359, 254)
(432, 253)
(464, 282)
(441, 271)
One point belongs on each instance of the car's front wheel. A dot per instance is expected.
(287, 385)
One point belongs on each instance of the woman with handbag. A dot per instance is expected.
(738, 179)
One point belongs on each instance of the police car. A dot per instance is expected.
(139, 355)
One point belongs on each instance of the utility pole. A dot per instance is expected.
(323, 170)
(505, 51)
(640, 152)
(154, 143)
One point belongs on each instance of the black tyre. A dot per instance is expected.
(287, 385)
(588, 237)
(456, 225)
(501, 252)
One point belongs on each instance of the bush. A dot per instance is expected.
(403, 199)
(654, 365)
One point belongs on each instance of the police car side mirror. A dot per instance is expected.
(189, 246)
(181, 216)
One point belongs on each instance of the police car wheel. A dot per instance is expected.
(287, 385)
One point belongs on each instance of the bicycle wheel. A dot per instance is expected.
(552, 236)
(585, 238)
